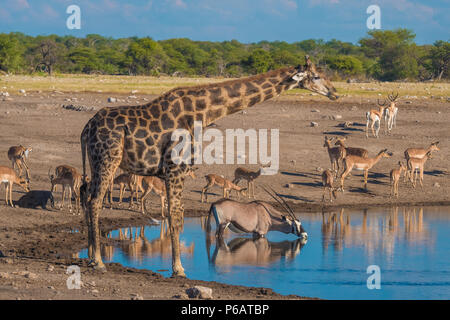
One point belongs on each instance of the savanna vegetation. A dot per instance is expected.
(387, 55)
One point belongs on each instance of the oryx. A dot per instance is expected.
(257, 217)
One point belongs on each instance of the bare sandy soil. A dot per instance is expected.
(33, 239)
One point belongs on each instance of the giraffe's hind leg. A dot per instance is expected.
(102, 173)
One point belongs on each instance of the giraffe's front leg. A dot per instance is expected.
(174, 187)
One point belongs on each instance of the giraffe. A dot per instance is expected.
(138, 138)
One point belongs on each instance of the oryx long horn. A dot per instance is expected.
(281, 201)
(286, 204)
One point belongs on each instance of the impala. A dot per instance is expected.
(419, 153)
(148, 184)
(124, 180)
(363, 164)
(245, 174)
(350, 150)
(417, 164)
(155, 184)
(374, 119)
(336, 154)
(9, 177)
(73, 181)
(395, 175)
(327, 181)
(390, 114)
(227, 185)
(18, 155)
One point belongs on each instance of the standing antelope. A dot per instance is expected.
(257, 217)
(350, 150)
(327, 181)
(395, 175)
(18, 155)
(9, 177)
(151, 183)
(417, 164)
(419, 153)
(124, 180)
(62, 169)
(245, 174)
(390, 113)
(155, 184)
(227, 185)
(374, 118)
(73, 181)
(360, 163)
(336, 154)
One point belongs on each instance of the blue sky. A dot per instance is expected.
(218, 20)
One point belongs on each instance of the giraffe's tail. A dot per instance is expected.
(84, 184)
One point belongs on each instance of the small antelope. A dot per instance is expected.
(419, 153)
(327, 181)
(257, 217)
(374, 119)
(73, 181)
(9, 177)
(227, 185)
(417, 164)
(18, 155)
(124, 180)
(245, 174)
(390, 114)
(350, 150)
(336, 154)
(155, 184)
(395, 175)
(151, 183)
(62, 169)
(360, 163)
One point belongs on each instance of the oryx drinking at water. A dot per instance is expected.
(257, 217)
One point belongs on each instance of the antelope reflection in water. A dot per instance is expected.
(250, 251)
(136, 246)
(374, 232)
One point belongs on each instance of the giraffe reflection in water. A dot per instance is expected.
(137, 247)
(373, 232)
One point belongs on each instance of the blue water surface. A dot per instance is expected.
(411, 246)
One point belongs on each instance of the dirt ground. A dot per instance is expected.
(31, 240)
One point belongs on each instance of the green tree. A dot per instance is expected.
(259, 61)
(394, 52)
(146, 56)
(10, 53)
(345, 65)
(440, 58)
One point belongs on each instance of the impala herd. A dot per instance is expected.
(342, 157)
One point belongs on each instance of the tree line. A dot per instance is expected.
(386, 55)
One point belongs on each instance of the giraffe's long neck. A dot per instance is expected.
(230, 97)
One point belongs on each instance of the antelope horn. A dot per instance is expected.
(391, 96)
(281, 201)
(381, 105)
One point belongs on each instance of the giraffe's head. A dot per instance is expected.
(307, 77)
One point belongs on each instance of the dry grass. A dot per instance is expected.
(154, 85)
